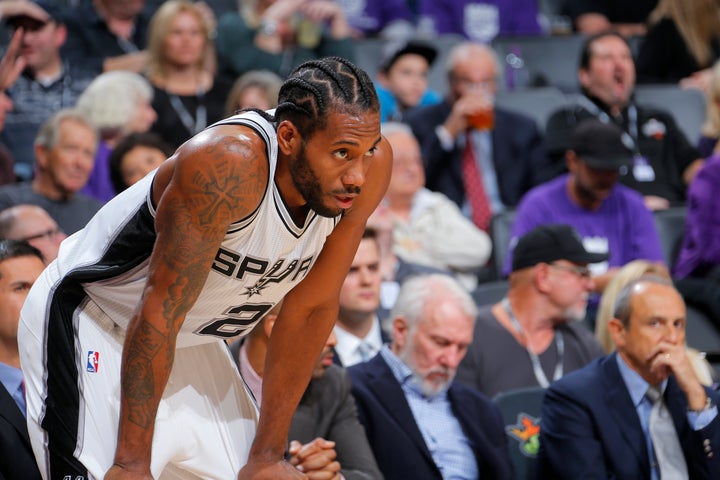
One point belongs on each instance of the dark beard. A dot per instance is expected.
(308, 184)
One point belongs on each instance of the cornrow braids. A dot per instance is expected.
(319, 86)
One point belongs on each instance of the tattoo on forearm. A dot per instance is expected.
(139, 380)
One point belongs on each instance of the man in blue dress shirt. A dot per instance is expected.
(419, 422)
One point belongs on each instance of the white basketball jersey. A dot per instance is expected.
(261, 258)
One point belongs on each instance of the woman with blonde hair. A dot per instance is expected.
(708, 143)
(682, 43)
(188, 95)
(632, 271)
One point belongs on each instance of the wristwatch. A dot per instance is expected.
(708, 405)
(268, 27)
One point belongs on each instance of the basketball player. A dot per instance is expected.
(127, 375)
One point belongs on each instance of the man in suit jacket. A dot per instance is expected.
(420, 423)
(20, 265)
(595, 420)
(514, 156)
(326, 436)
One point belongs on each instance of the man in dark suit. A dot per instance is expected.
(597, 421)
(20, 265)
(326, 436)
(508, 148)
(419, 422)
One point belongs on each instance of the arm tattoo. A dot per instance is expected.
(139, 381)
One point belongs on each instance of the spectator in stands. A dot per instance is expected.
(600, 421)
(393, 269)
(325, 424)
(387, 19)
(596, 16)
(664, 162)
(534, 336)
(47, 83)
(186, 95)
(64, 156)
(34, 225)
(116, 103)
(421, 423)
(358, 331)
(106, 35)
(479, 20)
(279, 35)
(611, 218)
(20, 265)
(254, 89)
(682, 43)
(700, 253)
(11, 65)
(628, 273)
(482, 157)
(708, 143)
(134, 156)
(429, 228)
(402, 79)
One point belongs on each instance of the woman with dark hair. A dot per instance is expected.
(135, 156)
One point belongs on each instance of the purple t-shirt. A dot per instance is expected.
(99, 185)
(622, 226)
(700, 248)
(480, 21)
(371, 16)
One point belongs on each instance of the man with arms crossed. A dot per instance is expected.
(193, 254)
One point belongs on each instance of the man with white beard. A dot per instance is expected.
(533, 336)
(419, 422)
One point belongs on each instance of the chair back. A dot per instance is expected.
(520, 409)
(687, 106)
(536, 103)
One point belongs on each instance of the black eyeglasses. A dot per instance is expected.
(49, 234)
(583, 272)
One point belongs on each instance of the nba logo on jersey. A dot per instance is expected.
(93, 361)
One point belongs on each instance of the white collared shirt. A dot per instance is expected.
(348, 345)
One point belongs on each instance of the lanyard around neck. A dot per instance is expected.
(534, 359)
(193, 125)
(631, 135)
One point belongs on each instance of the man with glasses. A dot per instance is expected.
(532, 337)
(482, 157)
(610, 218)
(33, 225)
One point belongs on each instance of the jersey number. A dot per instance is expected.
(239, 319)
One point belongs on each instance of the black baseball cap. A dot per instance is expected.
(395, 50)
(551, 242)
(54, 14)
(602, 145)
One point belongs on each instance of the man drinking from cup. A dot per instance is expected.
(482, 157)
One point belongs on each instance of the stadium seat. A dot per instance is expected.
(521, 415)
(500, 231)
(537, 103)
(687, 105)
(539, 61)
(670, 225)
(489, 293)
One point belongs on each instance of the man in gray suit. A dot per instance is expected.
(325, 434)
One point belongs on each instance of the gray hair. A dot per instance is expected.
(111, 99)
(49, 132)
(623, 307)
(418, 291)
(461, 50)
